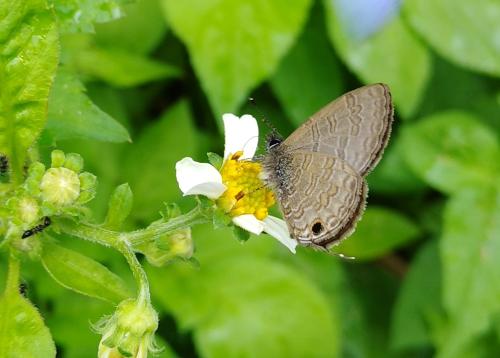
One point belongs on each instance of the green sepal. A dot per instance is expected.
(215, 159)
(204, 202)
(58, 158)
(241, 234)
(220, 219)
(74, 162)
(88, 181)
(35, 174)
(170, 211)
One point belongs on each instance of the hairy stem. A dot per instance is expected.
(194, 217)
(108, 237)
(12, 284)
(139, 275)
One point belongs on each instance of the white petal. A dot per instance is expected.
(278, 229)
(196, 178)
(249, 223)
(240, 134)
(211, 190)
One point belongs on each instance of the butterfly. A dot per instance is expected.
(318, 173)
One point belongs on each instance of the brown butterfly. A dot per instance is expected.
(318, 172)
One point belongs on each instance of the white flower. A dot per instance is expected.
(237, 187)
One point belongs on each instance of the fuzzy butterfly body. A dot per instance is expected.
(318, 172)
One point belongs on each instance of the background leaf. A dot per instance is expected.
(470, 269)
(453, 28)
(233, 48)
(140, 30)
(452, 150)
(30, 48)
(150, 166)
(393, 176)
(392, 56)
(112, 64)
(309, 76)
(80, 15)
(413, 311)
(378, 233)
(73, 115)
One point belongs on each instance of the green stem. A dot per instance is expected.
(139, 275)
(194, 217)
(12, 284)
(108, 237)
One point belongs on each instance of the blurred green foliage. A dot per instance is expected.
(141, 85)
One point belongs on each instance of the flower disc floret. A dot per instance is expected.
(60, 186)
(246, 193)
(28, 209)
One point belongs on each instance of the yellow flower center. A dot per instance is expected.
(246, 193)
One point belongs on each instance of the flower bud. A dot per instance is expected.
(178, 244)
(28, 209)
(130, 331)
(60, 186)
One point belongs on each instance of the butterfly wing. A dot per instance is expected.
(355, 127)
(321, 196)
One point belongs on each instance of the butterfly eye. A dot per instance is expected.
(273, 143)
(317, 228)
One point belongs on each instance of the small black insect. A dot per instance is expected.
(36, 229)
(23, 289)
(4, 164)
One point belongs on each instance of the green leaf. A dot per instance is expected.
(378, 233)
(239, 290)
(418, 299)
(393, 176)
(119, 207)
(452, 150)
(80, 15)
(116, 66)
(70, 322)
(469, 247)
(149, 166)
(73, 115)
(82, 274)
(121, 68)
(139, 31)
(309, 76)
(232, 47)
(453, 87)
(366, 299)
(392, 56)
(30, 48)
(462, 31)
(22, 331)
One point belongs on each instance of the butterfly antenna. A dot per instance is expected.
(262, 116)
